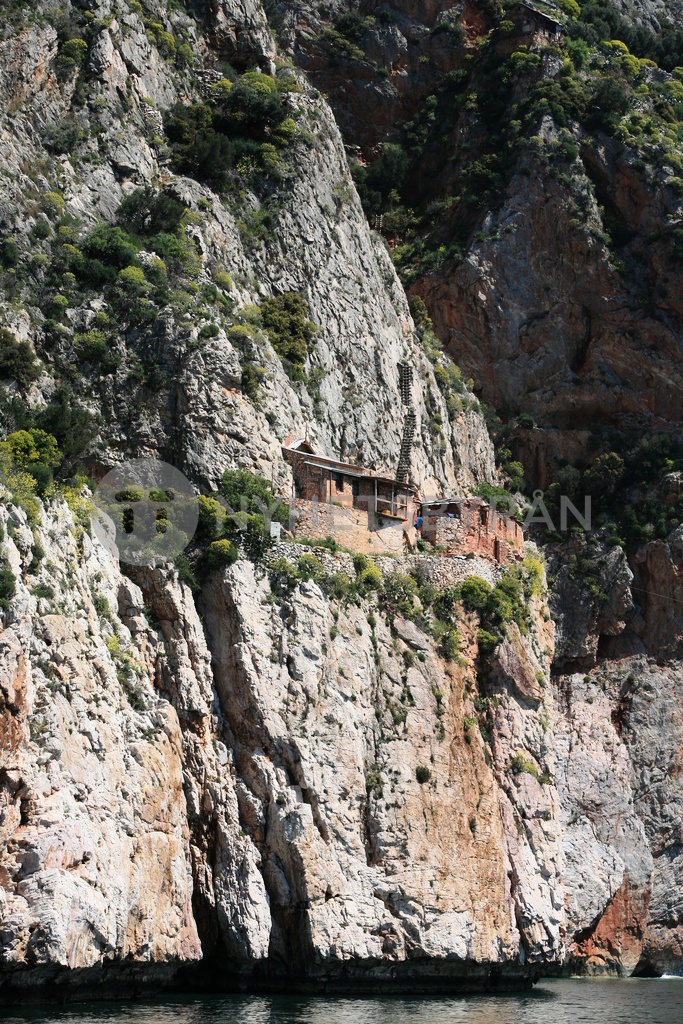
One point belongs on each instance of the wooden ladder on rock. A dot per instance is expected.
(409, 424)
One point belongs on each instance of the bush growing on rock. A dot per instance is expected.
(311, 568)
(252, 378)
(211, 518)
(475, 592)
(71, 56)
(283, 577)
(8, 584)
(235, 130)
(29, 447)
(111, 245)
(360, 562)
(486, 641)
(91, 346)
(9, 252)
(248, 492)
(17, 361)
(399, 592)
(445, 603)
(422, 774)
(369, 579)
(449, 646)
(521, 764)
(149, 211)
(285, 320)
(339, 586)
(220, 553)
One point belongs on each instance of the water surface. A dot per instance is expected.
(601, 1001)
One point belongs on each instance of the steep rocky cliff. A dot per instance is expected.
(170, 389)
(305, 770)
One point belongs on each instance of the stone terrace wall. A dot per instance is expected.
(350, 527)
(440, 570)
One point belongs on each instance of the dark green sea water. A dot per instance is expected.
(551, 1002)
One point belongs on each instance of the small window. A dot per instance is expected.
(355, 488)
(339, 482)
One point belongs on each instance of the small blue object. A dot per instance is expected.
(419, 522)
(451, 516)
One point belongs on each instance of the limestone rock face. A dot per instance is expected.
(284, 780)
(344, 827)
(618, 736)
(571, 345)
(318, 244)
(287, 782)
(95, 844)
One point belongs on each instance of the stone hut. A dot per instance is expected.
(470, 526)
(531, 20)
(363, 510)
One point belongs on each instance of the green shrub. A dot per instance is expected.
(8, 586)
(220, 553)
(223, 280)
(157, 495)
(360, 562)
(41, 230)
(91, 346)
(610, 101)
(285, 320)
(569, 7)
(449, 646)
(132, 281)
(9, 252)
(383, 178)
(178, 251)
(111, 246)
(369, 579)
(283, 577)
(71, 56)
(338, 585)
(149, 211)
(251, 536)
(17, 361)
(579, 53)
(248, 492)
(129, 494)
(487, 641)
(156, 33)
(311, 568)
(209, 331)
(185, 571)
(399, 591)
(521, 763)
(29, 447)
(445, 603)
(74, 427)
(52, 203)
(252, 378)
(185, 55)
(235, 129)
(211, 518)
(43, 477)
(474, 593)
(422, 774)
